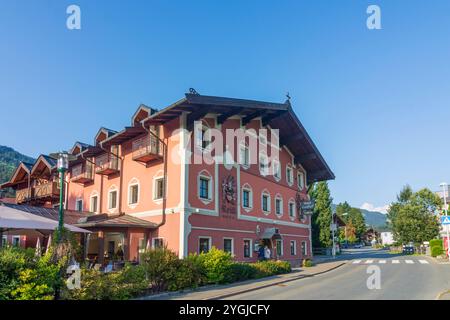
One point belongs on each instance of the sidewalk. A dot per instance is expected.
(224, 291)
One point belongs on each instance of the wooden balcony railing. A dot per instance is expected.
(22, 195)
(46, 190)
(82, 174)
(147, 149)
(107, 164)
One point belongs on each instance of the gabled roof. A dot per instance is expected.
(49, 162)
(107, 132)
(142, 113)
(276, 115)
(80, 145)
(19, 175)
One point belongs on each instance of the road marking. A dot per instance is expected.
(356, 261)
(369, 261)
(395, 261)
(423, 261)
(382, 261)
(409, 262)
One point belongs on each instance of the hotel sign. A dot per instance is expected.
(307, 207)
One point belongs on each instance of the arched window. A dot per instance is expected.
(265, 202)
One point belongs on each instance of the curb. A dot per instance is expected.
(227, 295)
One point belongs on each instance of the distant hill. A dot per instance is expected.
(373, 218)
(9, 159)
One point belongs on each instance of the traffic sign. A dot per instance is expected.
(445, 220)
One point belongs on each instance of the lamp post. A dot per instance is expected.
(62, 165)
(444, 186)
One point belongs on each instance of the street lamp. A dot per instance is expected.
(63, 159)
(444, 186)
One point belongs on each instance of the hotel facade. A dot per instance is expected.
(142, 187)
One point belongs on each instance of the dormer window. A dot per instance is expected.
(301, 180)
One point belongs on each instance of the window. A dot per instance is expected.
(133, 194)
(279, 247)
(4, 241)
(228, 245)
(304, 249)
(289, 175)
(204, 244)
(293, 248)
(276, 169)
(158, 243)
(159, 188)
(265, 202)
(94, 204)
(292, 209)
(244, 156)
(301, 180)
(16, 241)
(204, 188)
(247, 197)
(203, 137)
(247, 248)
(79, 205)
(263, 165)
(279, 206)
(112, 199)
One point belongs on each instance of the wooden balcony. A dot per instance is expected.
(46, 190)
(22, 195)
(82, 175)
(107, 164)
(147, 149)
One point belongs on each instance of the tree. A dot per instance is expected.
(353, 216)
(321, 218)
(412, 217)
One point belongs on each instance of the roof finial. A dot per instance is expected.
(288, 96)
(193, 91)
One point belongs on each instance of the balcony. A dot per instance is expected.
(82, 175)
(22, 195)
(107, 164)
(46, 190)
(147, 149)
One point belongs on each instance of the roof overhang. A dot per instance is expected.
(19, 175)
(46, 161)
(124, 135)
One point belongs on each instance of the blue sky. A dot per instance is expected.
(376, 102)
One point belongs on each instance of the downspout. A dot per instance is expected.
(163, 220)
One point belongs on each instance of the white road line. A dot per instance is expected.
(409, 262)
(395, 261)
(423, 261)
(356, 261)
(369, 261)
(382, 261)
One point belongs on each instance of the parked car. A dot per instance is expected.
(358, 246)
(408, 249)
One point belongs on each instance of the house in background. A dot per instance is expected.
(140, 187)
(387, 238)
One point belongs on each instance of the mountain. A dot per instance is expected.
(9, 159)
(373, 218)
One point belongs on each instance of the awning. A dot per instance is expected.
(271, 233)
(13, 219)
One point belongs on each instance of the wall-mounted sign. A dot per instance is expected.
(307, 207)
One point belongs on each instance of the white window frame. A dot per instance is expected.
(110, 208)
(155, 188)
(248, 188)
(282, 247)
(94, 195)
(77, 207)
(250, 249)
(199, 142)
(291, 202)
(243, 160)
(209, 243)
(305, 249)
(157, 238)
(265, 193)
(295, 247)
(134, 182)
(205, 175)
(5, 239)
(289, 175)
(300, 181)
(13, 240)
(280, 198)
(264, 171)
(232, 244)
(276, 169)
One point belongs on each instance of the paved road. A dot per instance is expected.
(402, 277)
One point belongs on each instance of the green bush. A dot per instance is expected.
(217, 264)
(307, 263)
(436, 243)
(243, 271)
(271, 267)
(161, 266)
(436, 251)
(190, 273)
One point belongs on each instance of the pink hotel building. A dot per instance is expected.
(138, 188)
